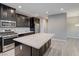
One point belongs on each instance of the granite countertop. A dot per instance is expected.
(24, 32)
(16, 34)
(35, 40)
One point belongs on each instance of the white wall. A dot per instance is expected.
(43, 25)
(72, 30)
(46, 26)
(57, 25)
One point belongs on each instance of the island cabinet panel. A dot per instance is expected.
(42, 50)
(7, 13)
(38, 52)
(25, 50)
(22, 21)
(22, 50)
(37, 43)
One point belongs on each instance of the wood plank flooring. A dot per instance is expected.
(59, 47)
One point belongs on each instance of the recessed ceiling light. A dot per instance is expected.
(61, 9)
(12, 11)
(46, 12)
(77, 25)
(19, 6)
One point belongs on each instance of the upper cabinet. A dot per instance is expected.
(35, 24)
(11, 13)
(22, 21)
(4, 11)
(7, 13)
(0, 10)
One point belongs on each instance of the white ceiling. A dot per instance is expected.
(40, 9)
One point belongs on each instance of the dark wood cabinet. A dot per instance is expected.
(22, 20)
(27, 21)
(0, 44)
(11, 13)
(19, 20)
(7, 13)
(4, 12)
(32, 24)
(42, 50)
(35, 24)
(25, 50)
(0, 10)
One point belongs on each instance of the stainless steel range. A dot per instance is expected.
(6, 37)
(6, 40)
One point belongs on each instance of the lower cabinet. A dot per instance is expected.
(24, 50)
(0, 44)
(24, 34)
(42, 50)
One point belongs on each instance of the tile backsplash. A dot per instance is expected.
(17, 30)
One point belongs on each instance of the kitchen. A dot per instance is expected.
(39, 29)
(13, 25)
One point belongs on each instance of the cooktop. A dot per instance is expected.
(7, 33)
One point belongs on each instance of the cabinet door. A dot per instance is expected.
(32, 24)
(27, 22)
(0, 10)
(22, 50)
(7, 13)
(42, 50)
(18, 21)
(11, 13)
(4, 12)
(22, 21)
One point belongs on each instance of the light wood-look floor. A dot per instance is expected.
(59, 47)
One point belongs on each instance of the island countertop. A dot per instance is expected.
(35, 40)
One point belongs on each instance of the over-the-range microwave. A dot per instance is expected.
(7, 23)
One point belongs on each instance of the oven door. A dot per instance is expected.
(8, 44)
(8, 41)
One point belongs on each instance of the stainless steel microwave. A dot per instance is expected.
(7, 23)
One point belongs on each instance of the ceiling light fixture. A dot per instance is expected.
(61, 9)
(77, 25)
(12, 11)
(46, 12)
(19, 6)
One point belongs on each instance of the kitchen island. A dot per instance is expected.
(33, 45)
